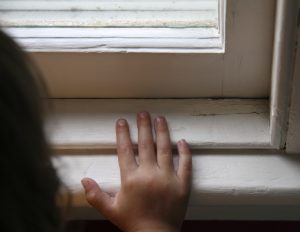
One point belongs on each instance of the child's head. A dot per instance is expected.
(28, 180)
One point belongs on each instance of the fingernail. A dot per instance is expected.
(160, 119)
(86, 183)
(143, 114)
(182, 142)
(121, 122)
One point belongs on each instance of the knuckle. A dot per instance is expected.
(158, 182)
(150, 184)
(130, 182)
(165, 150)
(144, 144)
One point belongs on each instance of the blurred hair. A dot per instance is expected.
(29, 183)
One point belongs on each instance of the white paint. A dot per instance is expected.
(240, 184)
(183, 33)
(293, 135)
(114, 45)
(186, 40)
(89, 124)
(126, 19)
(282, 69)
(243, 71)
(251, 185)
(108, 19)
(109, 13)
(108, 5)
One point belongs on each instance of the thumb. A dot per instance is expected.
(100, 200)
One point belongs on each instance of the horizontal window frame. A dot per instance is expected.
(151, 40)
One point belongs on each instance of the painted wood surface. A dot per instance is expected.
(243, 71)
(90, 123)
(282, 69)
(109, 13)
(108, 5)
(240, 184)
(293, 135)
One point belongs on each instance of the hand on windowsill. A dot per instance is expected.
(153, 195)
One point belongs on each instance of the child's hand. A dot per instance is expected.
(153, 195)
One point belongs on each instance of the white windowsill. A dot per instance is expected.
(204, 123)
(227, 185)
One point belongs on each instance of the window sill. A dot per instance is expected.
(204, 123)
(227, 185)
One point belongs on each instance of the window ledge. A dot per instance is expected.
(227, 185)
(204, 123)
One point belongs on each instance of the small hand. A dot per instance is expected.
(153, 195)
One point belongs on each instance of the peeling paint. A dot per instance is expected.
(212, 114)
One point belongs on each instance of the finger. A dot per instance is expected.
(185, 164)
(145, 139)
(96, 197)
(126, 156)
(163, 144)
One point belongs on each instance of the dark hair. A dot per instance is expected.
(29, 184)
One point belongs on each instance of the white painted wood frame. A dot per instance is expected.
(228, 184)
(293, 134)
(76, 70)
(56, 67)
(285, 47)
(256, 128)
(237, 184)
(116, 26)
(89, 124)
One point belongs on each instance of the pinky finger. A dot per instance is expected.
(185, 164)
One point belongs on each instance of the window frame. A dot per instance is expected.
(283, 67)
(229, 184)
(284, 49)
(281, 74)
(244, 70)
